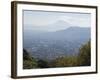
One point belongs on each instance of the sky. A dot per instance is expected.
(40, 20)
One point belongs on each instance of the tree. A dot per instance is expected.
(26, 55)
(28, 61)
(85, 55)
(42, 64)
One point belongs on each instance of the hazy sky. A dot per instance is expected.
(40, 19)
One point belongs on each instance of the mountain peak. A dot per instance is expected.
(62, 22)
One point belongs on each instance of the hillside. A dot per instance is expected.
(50, 45)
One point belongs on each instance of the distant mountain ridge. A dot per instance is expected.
(50, 45)
(74, 33)
(70, 34)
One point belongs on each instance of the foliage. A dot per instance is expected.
(28, 61)
(85, 55)
(67, 61)
(29, 64)
(42, 64)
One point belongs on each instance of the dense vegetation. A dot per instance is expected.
(82, 59)
(28, 61)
